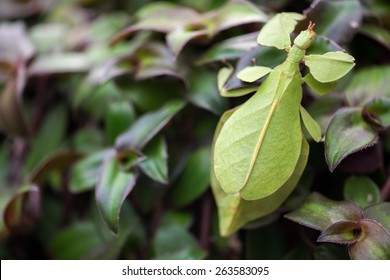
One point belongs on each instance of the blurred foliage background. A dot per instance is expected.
(108, 110)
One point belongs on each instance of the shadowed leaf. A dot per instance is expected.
(347, 133)
(362, 191)
(341, 232)
(114, 185)
(318, 212)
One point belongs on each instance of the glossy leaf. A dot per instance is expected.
(223, 76)
(320, 88)
(367, 84)
(244, 157)
(362, 191)
(114, 185)
(155, 164)
(204, 92)
(377, 33)
(253, 73)
(276, 32)
(373, 244)
(194, 180)
(60, 63)
(234, 212)
(173, 242)
(147, 126)
(58, 161)
(347, 133)
(337, 20)
(51, 133)
(235, 13)
(229, 49)
(120, 115)
(84, 174)
(330, 66)
(75, 242)
(341, 232)
(380, 213)
(23, 209)
(319, 212)
(378, 112)
(311, 125)
(178, 38)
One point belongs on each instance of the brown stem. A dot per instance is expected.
(205, 215)
(385, 191)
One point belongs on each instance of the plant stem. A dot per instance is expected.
(385, 191)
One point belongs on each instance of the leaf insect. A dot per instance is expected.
(259, 145)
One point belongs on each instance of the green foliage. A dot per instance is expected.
(111, 146)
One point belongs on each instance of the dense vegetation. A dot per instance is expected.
(108, 111)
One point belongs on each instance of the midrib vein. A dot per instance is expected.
(259, 143)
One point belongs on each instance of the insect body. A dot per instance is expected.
(259, 145)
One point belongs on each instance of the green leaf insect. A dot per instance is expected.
(259, 145)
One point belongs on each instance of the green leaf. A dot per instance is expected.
(337, 20)
(49, 138)
(22, 209)
(252, 73)
(377, 33)
(46, 36)
(147, 126)
(223, 75)
(75, 242)
(114, 185)
(120, 115)
(60, 63)
(362, 191)
(341, 232)
(233, 211)
(155, 165)
(85, 172)
(235, 13)
(194, 180)
(229, 49)
(311, 125)
(276, 32)
(58, 161)
(373, 244)
(204, 92)
(244, 155)
(330, 66)
(178, 38)
(378, 112)
(367, 84)
(379, 213)
(347, 133)
(320, 88)
(173, 242)
(319, 212)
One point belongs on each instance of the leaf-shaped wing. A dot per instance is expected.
(276, 32)
(330, 66)
(259, 146)
(311, 125)
(252, 73)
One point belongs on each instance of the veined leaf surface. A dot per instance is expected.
(276, 33)
(259, 146)
(234, 212)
